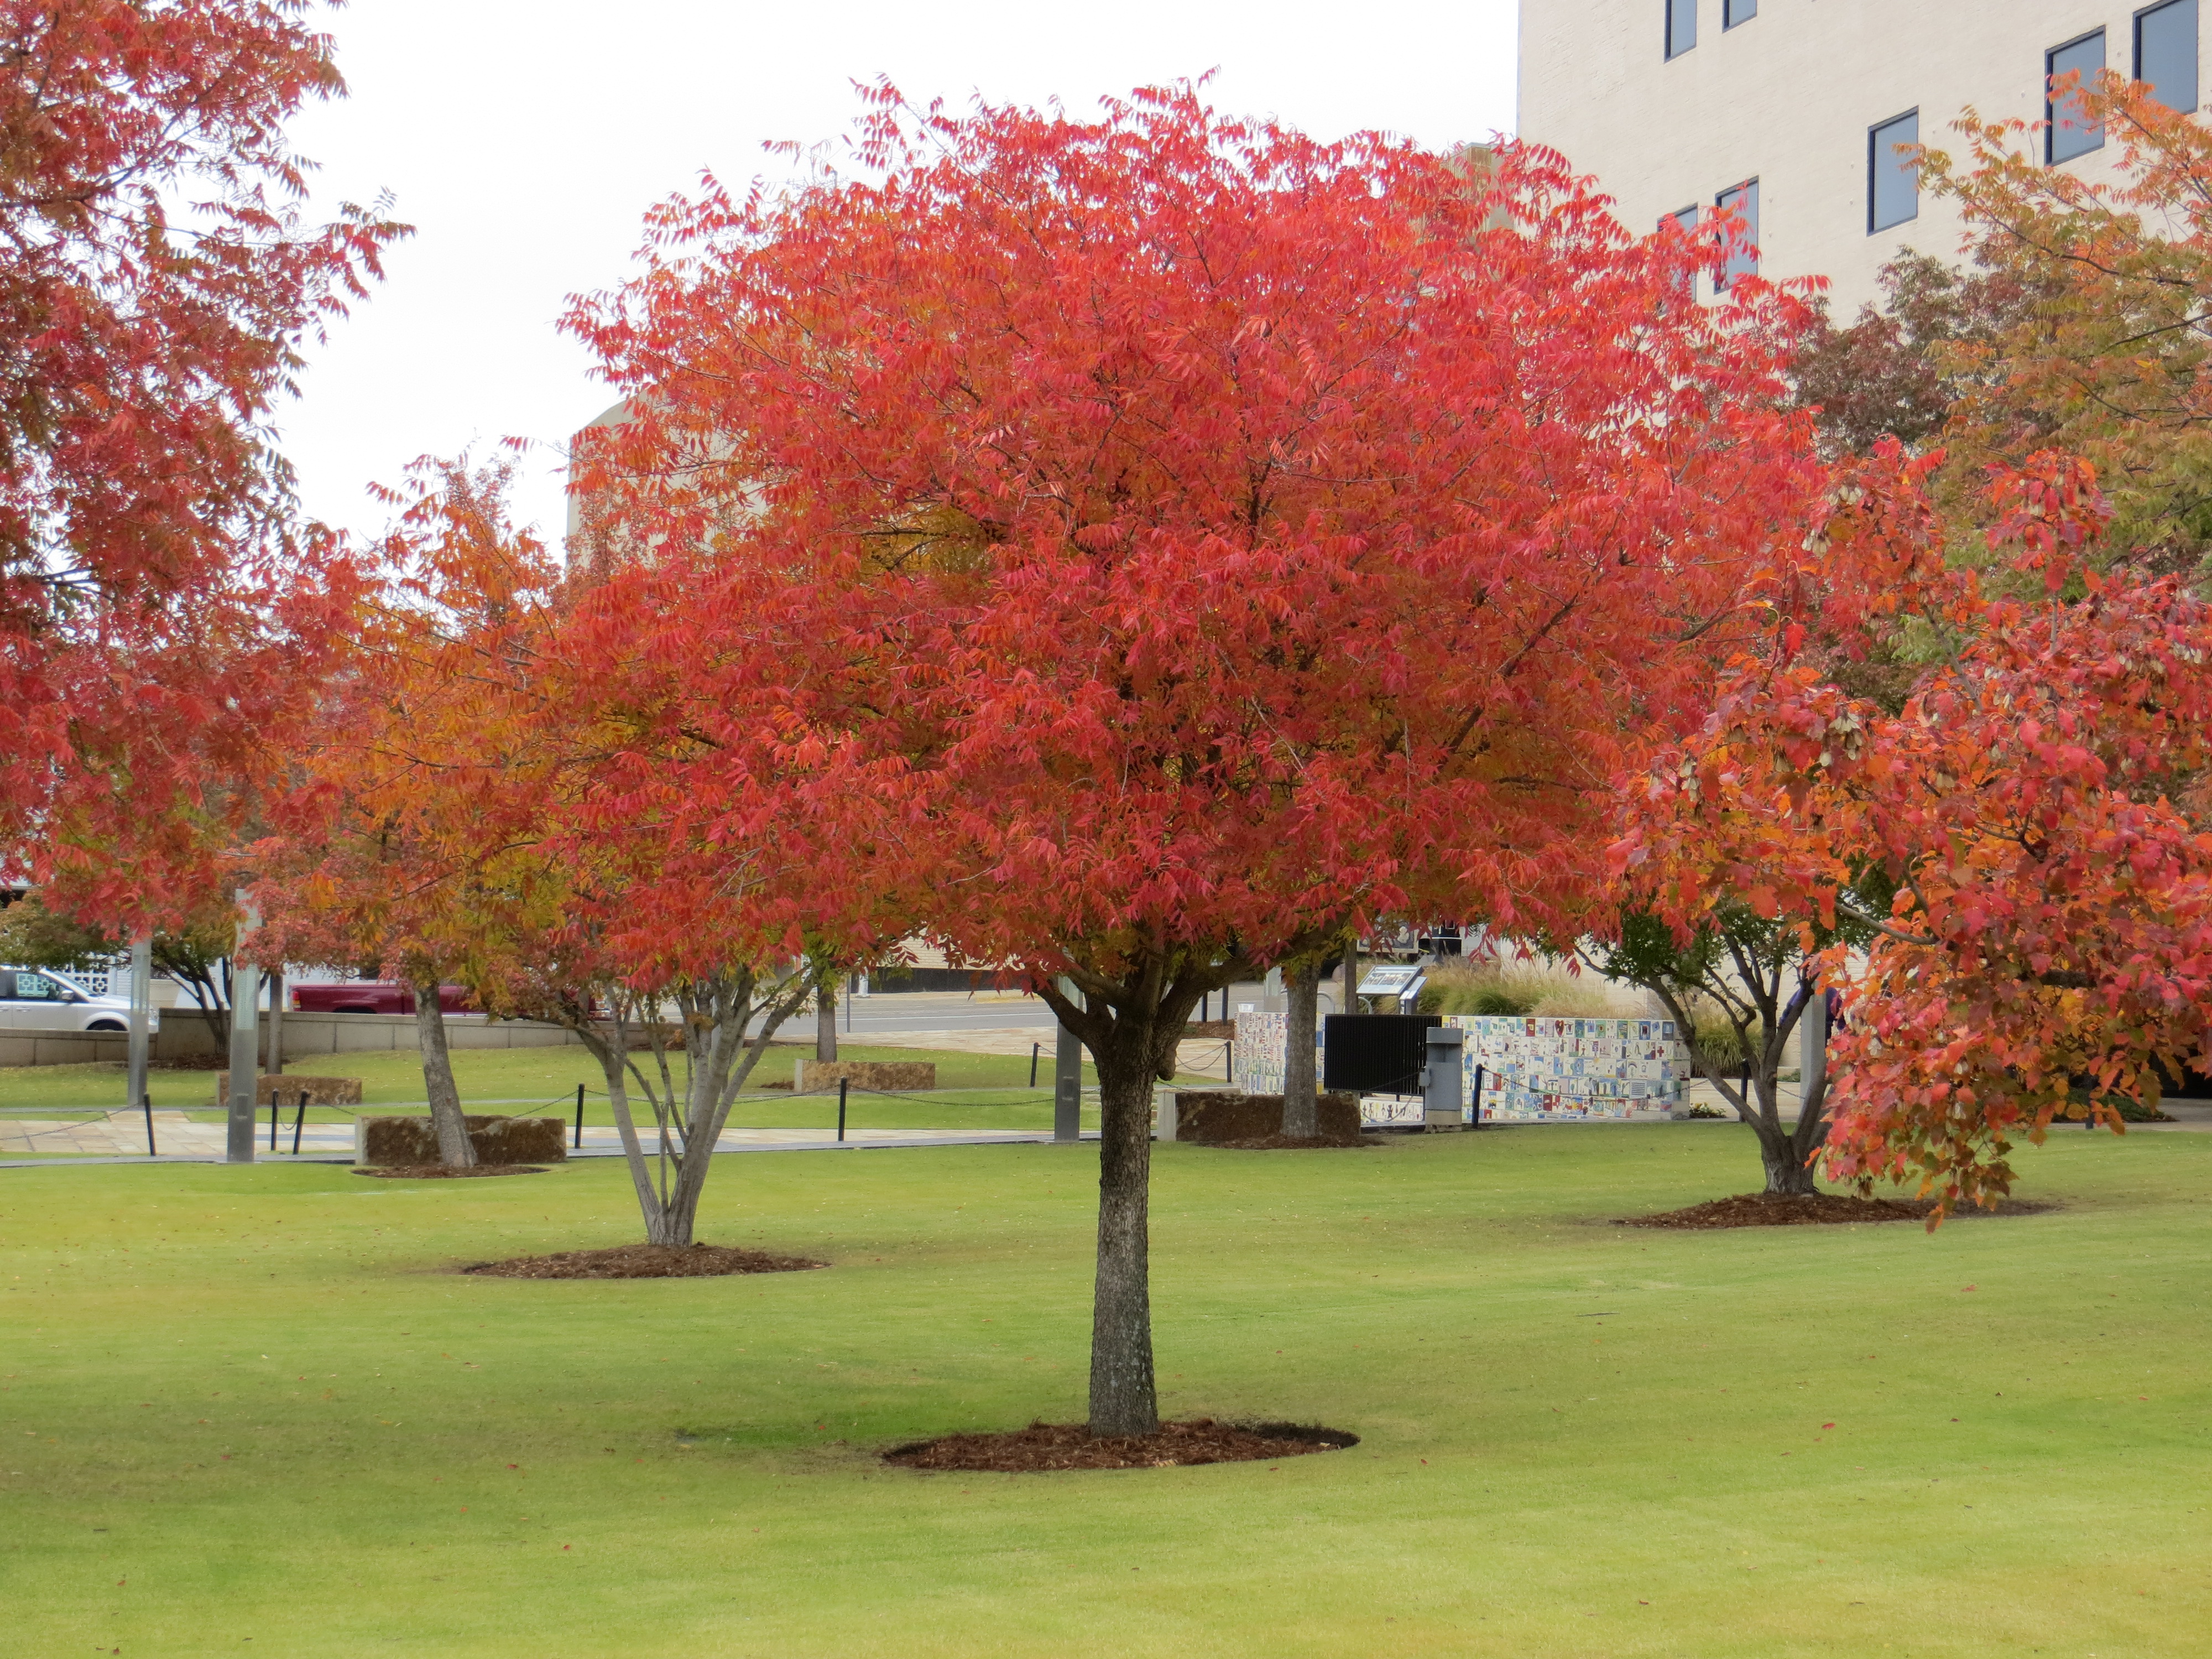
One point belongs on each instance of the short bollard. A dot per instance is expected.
(579, 1115)
(840, 1107)
(1033, 1047)
(299, 1118)
(275, 1107)
(146, 1105)
(1477, 1123)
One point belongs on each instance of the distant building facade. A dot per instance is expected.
(1791, 110)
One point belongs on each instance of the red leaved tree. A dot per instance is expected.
(157, 612)
(2052, 922)
(1231, 538)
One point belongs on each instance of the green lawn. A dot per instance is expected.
(971, 1087)
(247, 1403)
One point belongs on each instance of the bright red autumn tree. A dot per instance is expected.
(2052, 922)
(1226, 535)
(159, 614)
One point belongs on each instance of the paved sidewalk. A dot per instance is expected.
(1195, 1057)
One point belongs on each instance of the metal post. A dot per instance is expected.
(276, 1067)
(299, 1117)
(148, 1107)
(244, 1045)
(1035, 1048)
(1813, 1046)
(276, 1107)
(580, 1115)
(141, 1019)
(1067, 1077)
(1477, 1124)
(842, 1083)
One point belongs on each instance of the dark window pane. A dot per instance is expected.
(2165, 53)
(1682, 26)
(2072, 132)
(1737, 11)
(1892, 180)
(1743, 256)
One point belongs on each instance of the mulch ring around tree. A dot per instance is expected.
(1043, 1447)
(442, 1172)
(1813, 1210)
(644, 1261)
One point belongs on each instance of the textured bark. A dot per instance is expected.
(1123, 1398)
(825, 1023)
(1301, 1100)
(445, 1116)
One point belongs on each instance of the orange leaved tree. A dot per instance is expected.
(2052, 918)
(410, 833)
(1220, 538)
(159, 614)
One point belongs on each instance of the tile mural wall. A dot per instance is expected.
(1536, 1068)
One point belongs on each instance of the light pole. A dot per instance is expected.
(245, 1032)
(1067, 1076)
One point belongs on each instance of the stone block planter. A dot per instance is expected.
(285, 1089)
(892, 1075)
(412, 1140)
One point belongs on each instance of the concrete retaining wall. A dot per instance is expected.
(184, 1035)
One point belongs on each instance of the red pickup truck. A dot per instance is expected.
(374, 997)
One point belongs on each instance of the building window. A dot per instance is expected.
(1682, 219)
(2071, 132)
(1892, 179)
(1737, 11)
(1682, 26)
(1742, 260)
(2165, 53)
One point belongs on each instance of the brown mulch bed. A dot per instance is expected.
(439, 1172)
(644, 1261)
(1046, 1446)
(1814, 1210)
(1293, 1144)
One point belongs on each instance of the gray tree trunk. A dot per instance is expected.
(1123, 1397)
(825, 1021)
(1301, 1099)
(446, 1119)
(1351, 1002)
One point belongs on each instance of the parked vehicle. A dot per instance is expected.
(374, 997)
(41, 1000)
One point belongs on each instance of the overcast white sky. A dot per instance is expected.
(525, 141)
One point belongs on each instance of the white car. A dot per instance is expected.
(39, 999)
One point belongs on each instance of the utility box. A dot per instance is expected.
(1375, 1054)
(1442, 1106)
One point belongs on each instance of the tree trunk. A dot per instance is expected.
(1123, 1401)
(825, 1021)
(1301, 1103)
(1351, 1002)
(1788, 1174)
(445, 1117)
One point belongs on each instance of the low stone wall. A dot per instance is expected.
(1209, 1116)
(285, 1089)
(412, 1140)
(897, 1076)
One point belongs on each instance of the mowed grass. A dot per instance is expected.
(252, 1403)
(981, 1091)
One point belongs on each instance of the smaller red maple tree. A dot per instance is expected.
(2051, 927)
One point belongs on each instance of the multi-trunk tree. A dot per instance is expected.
(1200, 524)
(160, 615)
(2052, 923)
